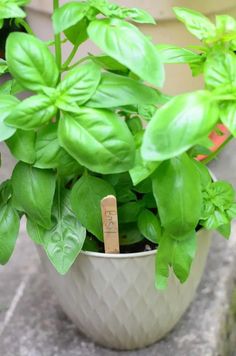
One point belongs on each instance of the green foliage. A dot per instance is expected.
(94, 127)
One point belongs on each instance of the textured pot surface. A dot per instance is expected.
(112, 298)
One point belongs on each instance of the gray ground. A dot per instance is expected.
(32, 323)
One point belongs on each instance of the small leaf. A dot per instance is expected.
(142, 169)
(129, 234)
(98, 140)
(86, 198)
(68, 15)
(30, 61)
(9, 229)
(139, 15)
(35, 231)
(32, 113)
(9, 9)
(109, 35)
(175, 54)
(129, 212)
(196, 23)
(220, 69)
(79, 84)
(77, 34)
(149, 226)
(33, 191)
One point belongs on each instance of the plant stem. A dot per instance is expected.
(26, 26)
(75, 64)
(57, 42)
(70, 58)
(214, 154)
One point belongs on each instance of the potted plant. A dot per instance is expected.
(101, 127)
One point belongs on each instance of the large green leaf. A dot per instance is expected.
(10, 9)
(7, 104)
(68, 15)
(33, 192)
(86, 198)
(125, 43)
(115, 90)
(196, 23)
(79, 84)
(176, 254)
(9, 229)
(77, 34)
(177, 190)
(228, 115)
(32, 113)
(64, 241)
(22, 145)
(220, 69)
(98, 140)
(179, 124)
(30, 61)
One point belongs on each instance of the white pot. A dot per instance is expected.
(168, 30)
(112, 298)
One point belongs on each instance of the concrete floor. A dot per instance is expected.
(32, 323)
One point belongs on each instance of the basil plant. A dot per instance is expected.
(101, 125)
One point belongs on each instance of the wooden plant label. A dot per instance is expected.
(110, 224)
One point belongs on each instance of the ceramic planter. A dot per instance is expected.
(168, 30)
(112, 298)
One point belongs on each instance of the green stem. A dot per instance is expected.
(77, 63)
(57, 42)
(26, 26)
(214, 154)
(70, 58)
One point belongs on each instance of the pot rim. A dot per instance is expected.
(129, 255)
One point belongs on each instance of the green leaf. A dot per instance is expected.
(220, 69)
(9, 229)
(136, 52)
(35, 231)
(30, 62)
(33, 191)
(68, 15)
(228, 115)
(175, 54)
(86, 196)
(178, 125)
(225, 25)
(196, 23)
(142, 169)
(225, 230)
(177, 190)
(7, 104)
(3, 66)
(9, 9)
(149, 226)
(129, 234)
(79, 84)
(49, 154)
(5, 191)
(64, 241)
(77, 34)
(108, 63)
(129, 212)
(176, 254)
(115, 90)
(98, 140)
(32, 113)
(22, 145)
(139, 15)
